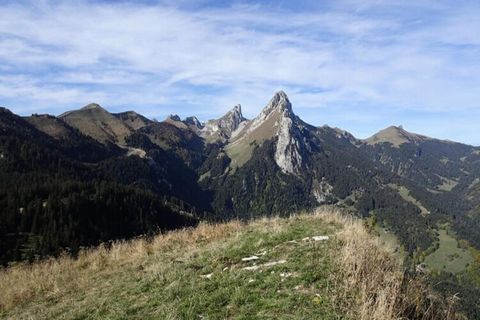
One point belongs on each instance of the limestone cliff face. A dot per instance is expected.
(322, 191)
(223, 128)
(193, 122)
(226, 125)
(288, 154)
(276, 121)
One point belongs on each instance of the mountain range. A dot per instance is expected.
(89, 176)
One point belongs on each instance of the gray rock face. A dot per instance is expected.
(193, 121)
(279, 101)
(288, 154)
(322, 191)
(226, 125)
(174, 117)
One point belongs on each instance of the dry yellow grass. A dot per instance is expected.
(367, 266)
(367, 282)
(384, 290)
(50, 277)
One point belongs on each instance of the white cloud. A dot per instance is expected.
(397, 55)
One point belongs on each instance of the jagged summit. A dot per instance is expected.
(278, 102)
(174, 117)
(193, 122)
(176, 121)
(235, 113)
(236, 109)
(396, 135)
(223, 128)
(188, 123)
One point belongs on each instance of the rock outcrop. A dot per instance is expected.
(222, 129)
(193, 122)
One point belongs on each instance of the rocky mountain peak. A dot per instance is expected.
(276, 120)
(279, 102)
(173, 117)
(176, 121)
(278, 107)
(193, 121)
(237, 110)
(226, 125)
(234, 115)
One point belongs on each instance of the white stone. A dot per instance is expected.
(252, 268)
(274, 263)
(250, 258)
(320, 238)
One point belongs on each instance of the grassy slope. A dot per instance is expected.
(199, 274)
(449, 256)
(405, 194)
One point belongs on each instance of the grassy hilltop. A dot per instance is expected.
(267, 269)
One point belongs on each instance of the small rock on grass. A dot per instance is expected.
(316, 238)
(252, 258)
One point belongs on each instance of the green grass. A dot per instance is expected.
(448, 257)
(447, 184)
(405, 194)
(172, 283)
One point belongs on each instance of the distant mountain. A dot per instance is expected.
(94, 121)
(396, 136)
(407, 184)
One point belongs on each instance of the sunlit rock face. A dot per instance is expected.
(224, 127)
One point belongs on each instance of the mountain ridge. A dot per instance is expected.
(376, 137)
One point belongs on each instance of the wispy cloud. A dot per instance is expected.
(363, 58)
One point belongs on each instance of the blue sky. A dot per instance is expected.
(357, 65)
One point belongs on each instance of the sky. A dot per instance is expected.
(360, 65)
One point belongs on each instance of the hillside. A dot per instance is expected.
(99, 124)
(63, 193)
(320, 266)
